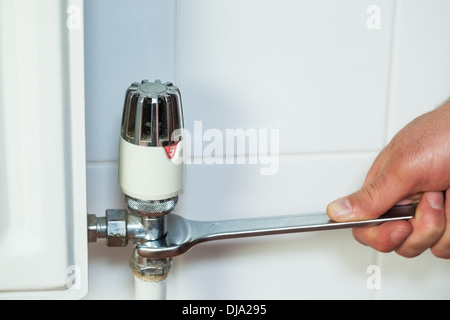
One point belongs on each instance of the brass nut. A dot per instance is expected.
(150, 267)
(116, 221)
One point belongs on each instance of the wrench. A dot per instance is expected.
(183, 233)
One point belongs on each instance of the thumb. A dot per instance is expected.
(369, 202)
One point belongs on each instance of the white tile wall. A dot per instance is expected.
(313, 70)
(309, 68)
(125, 42)
(421, 70)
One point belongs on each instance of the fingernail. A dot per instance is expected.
(340, 209)
(399, 235)
(435, 200)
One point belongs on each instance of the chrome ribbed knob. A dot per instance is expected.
(152, 114)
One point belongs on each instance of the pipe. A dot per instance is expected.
(150, 276)
(118, 227)
(150, 288)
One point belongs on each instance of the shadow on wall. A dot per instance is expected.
(294, 266)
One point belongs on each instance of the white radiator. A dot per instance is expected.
(43, 249)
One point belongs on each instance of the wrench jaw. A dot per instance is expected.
(175, 242)
(180, 238)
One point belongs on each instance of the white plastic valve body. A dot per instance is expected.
(164, 174)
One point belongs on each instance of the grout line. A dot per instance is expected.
(176, 44)
(393, 54)
(302, 154)
(101, 163)
(201, 159)
(377, 256)
(331, 153)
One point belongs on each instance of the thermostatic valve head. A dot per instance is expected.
(152, 114)
(151, 144)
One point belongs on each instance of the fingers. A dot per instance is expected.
(371, 201)
(441, 249)
(386, 237)
(427, 229)
(414, 198)
(428, 224)
(412, 165)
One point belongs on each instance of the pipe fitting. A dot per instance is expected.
(96, 227)
(146, 223)
(144, 267)
(113, 227)
(116, 228)
(119, 227)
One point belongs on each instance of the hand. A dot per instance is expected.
(415, 165)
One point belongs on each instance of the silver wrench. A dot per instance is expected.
(183, 233)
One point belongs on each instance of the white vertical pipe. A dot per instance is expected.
(150, 288)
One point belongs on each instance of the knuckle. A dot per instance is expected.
(431, 229)
(409, 252)
(372, 193)
(441, 252)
